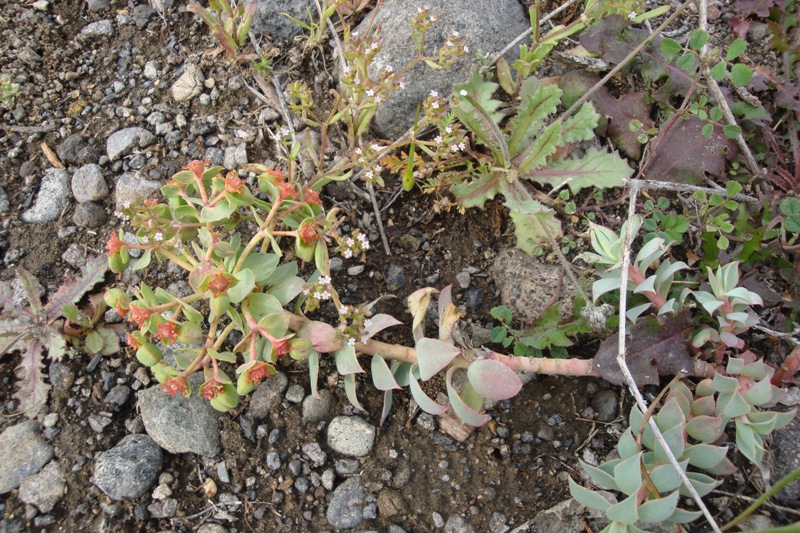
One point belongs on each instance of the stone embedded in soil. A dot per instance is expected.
(101, 28)
(133, 187)
(395, 278)
(266, 395)
(314, 452)
(98, 5)
(606, 405)
(189, 85)
(180, 424)
(526, 284)
(458, 524)
(346, 507)
(486, 26)
(351, 435)
(317, 409)
(89, 215)
(89, 184)
(74, 150)
(4, 205)
(124, 140)
(23, 452)
(129, 469)
(52, 198)
(61, 376)
(43, 489)
(235, 156)
(786, 445)
(269, 18)
(569, 515)
(295, 393)
(390, 503)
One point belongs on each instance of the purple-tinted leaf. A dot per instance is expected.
(350, 391)
(381, 322)
(759, 7)
(322, 336)
(382, 375)
(422, 399)
(653, 349)
(617, 113)
(72, 290)
(464, 411)
(433, 355)
(346, 361)
(493, 380)
(32, 390)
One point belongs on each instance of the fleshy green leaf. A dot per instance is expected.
(262, 265)
(422, 399)
(346, 360)
(493, 380)
(382, 375)
(587, 497)
(434, 355)
(466, 413)
(628, 474)
(624, 511)
(350, 390)
(657, 511)
(705, 428)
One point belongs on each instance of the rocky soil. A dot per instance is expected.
(114, 98)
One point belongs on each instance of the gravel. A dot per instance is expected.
(129, 469)
(23, 452)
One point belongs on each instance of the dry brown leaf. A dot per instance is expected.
(51, 156)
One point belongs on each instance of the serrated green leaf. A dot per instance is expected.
(707, 130)
(718, 71)
(535, 155)
(530, 223)
(94, 342)
(596, 168)
(698, 39)
(740, 75)
(687, 63)
(670, 48)
(736, 49)
(732, 131)
(476, 192)
(580, 126)
(535, 106)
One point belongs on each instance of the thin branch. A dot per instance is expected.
(640, 401)
(377, 211)
(685, 187)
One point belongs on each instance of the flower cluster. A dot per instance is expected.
(435, 107)
(353, 324)
(354, 245)
(450, 140)
(317, 293)
(454, 47)
(367, 156)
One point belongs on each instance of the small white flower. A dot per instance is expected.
(126, 204)
(375, 146)
(454, 148)
(159, 236)
(351, 341)
(145, 240)
(350, 242)
(118, 214)
(378, 99)
(346, 69)
(342, 326)
(463, 92)
(402, 85)
(449, 129)
(462, 146)
(359, 151)
(388, 68)
(364, 339)
(369, 175)
(343, 310)
(367, 323)
(306, 292)
(348, 254)
(632, 15)
(326, 295)
(456, 34)
(373, 46)
(370, 92)
(435, 105)
(362, 238)
(317, 296)
(466, 49)
(366, 245)
(324, 280)
(438, 139)
(448, 43)
(434, 94)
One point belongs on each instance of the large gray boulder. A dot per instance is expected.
(487, 26)
(270, 17)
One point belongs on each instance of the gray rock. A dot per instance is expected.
(605, 403)
(52, 198)
(189, 84)
(347, 504)
(267, 394)
(180, 424)
(89, 184)
(4, 205)
(74, 150)
(568, 515)
(118, 395)
(210, 527)
(129, 469)
(497, 523)
(43, 489)
(23, 452)
(133, 187)
(126, 139)
(314, 452)
(295, 393)
(61, 376)
(786, 445)
(317, 409)
(457, 524)
(101, 28)
(351, 435)
(269, 18)
(273, 460)
(486, 26)
(150, 70)
(438, 520)
(74, 255)
(98, 5)
(89, 215)
(164, 508)
(527, 285)
(235, 156)
(395, 278)
(161, 5)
